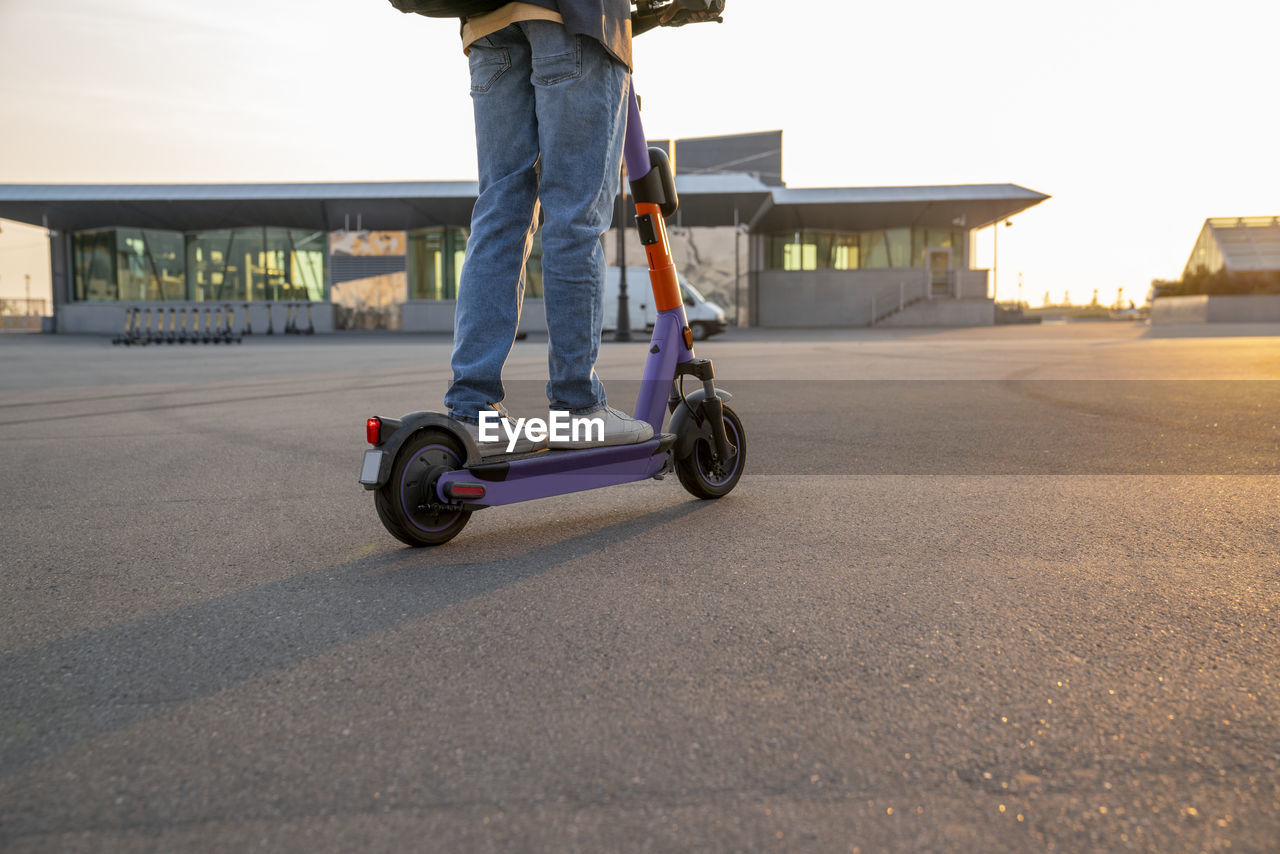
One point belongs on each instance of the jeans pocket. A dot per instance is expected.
(487, 65)
(558, 67)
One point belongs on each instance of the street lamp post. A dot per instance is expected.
(995, 257)
(737, 303)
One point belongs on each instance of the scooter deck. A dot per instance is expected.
(665, 439)
(523, 478)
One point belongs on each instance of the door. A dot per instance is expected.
(938, 263)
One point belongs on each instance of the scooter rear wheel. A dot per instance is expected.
(704, 475)
(407, 503)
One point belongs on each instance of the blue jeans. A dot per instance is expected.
(550, 112)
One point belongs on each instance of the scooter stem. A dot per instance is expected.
(671, 343)
(635, 148)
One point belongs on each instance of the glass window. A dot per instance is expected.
(844, 250)
(435, 260)
(774, 252)
(1206, 256)
(223, 264)
(150, 265)
(800, 256)
(884, 249)
(873, 249)
(836, 250)
(244, 264)
(899, 243)
(128, 264)
(796, 251)
(431, 267)
(924, 239)
(93, 260)
(308, 253)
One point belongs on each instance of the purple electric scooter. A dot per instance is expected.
(425, 470)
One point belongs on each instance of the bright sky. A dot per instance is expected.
(1140, 118)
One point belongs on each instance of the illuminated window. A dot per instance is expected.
(867, 250)
(799, 256)
(844, 252)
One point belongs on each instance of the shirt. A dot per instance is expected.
(479, 26)
(606, 21)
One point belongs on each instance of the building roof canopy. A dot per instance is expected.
(201, 207)
(705, 200)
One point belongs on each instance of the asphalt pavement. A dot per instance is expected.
(1007, 589)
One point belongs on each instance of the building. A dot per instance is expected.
(1232, 276)
(390, 254)
(1236, 245)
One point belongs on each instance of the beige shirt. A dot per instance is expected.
(479, 26)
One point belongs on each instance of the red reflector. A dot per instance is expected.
(466, 490)
(373, 430)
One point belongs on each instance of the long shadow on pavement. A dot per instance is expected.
(57, 695)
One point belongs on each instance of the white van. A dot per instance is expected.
(705, 317)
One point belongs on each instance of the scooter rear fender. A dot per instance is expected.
(404, 427)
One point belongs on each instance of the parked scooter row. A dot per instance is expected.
(203, 324)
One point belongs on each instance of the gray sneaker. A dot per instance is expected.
(619, 429)
(523, 445)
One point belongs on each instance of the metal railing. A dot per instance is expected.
(887, 302)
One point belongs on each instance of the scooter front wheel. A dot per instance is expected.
(701, 472)
(407, 503)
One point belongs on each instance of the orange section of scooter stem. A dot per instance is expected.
(662, 270)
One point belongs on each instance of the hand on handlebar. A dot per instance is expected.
(683, 12)
(676, 13)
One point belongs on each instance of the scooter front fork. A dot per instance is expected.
(711, 405)
(713, 408)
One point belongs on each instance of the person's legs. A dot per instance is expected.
(580, 94)
(502, 225)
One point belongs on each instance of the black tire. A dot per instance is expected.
(699, 331)
(427, 455)
(707, 478)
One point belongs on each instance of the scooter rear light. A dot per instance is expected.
(373, 430)
(464, 490)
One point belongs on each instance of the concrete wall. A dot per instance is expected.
(436, 315)
(831, 297)
(969, 284)
(1254, 308)
(1193, 309)
(850, 297)
(1257, 308)
(945, 312)
(108, 318)
(428, 315)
